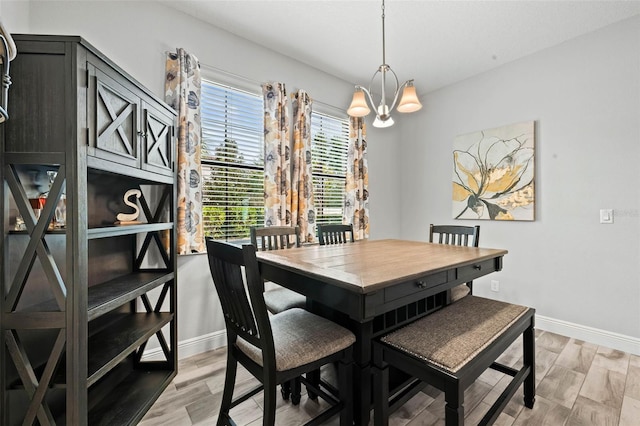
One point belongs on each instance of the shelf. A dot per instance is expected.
(58, 231)
(117, 230)
(145, 177)
(101, 298)
(107, 296)
(127, 402)
(110, 346)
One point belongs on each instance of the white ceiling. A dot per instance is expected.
(435, 42)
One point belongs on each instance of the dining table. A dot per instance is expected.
(375, 286)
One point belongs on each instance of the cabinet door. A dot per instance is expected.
(158, 140)
(114, 114)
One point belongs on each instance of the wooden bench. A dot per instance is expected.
(450, 349)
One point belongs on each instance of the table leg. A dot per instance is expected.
(362, 371)
(362, 396)
(362, 380)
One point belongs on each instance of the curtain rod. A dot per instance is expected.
(251, 81)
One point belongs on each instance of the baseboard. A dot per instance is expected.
(589, 334)
(190, 347)
(218, 339)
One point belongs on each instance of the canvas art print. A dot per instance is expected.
(493, 173)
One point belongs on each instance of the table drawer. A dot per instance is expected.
(414, 286)
(460, 275)
(470, 272)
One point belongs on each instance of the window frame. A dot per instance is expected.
(235, 83)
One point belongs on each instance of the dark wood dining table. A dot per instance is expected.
(374, 286)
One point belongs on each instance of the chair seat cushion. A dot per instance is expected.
(300, 337)
(452, 336)
(280, 299)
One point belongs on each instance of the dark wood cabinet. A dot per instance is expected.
(88, 330)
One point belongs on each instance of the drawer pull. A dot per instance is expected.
(421, 284)
(478, 267)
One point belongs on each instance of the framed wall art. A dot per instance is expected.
(493, 173)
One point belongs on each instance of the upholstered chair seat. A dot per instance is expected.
(300, 337)
(280, 299)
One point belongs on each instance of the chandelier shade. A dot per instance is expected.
(358, 107)
(409, 101)
(362, 101)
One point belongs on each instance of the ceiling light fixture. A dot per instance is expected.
(408, 103)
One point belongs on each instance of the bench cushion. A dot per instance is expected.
(452, 336)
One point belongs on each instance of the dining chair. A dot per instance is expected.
(333, 233)
(275, 348)
(459, 236)
(264, 238)
(277, 298)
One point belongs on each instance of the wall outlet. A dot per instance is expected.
(495, 285)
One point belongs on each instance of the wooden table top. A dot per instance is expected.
(369, 265)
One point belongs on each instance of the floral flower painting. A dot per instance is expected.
(493, 174)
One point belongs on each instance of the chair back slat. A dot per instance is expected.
(242, 306)
(275, 237)
(455, 235)
(335, 234)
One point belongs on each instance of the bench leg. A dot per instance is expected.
(529, 358)
(454, 408)
(381, 396)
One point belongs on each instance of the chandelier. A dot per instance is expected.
(409, 101)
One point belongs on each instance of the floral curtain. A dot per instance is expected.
(356, 203)
(277, 173)
(182, 92)
(302, 207)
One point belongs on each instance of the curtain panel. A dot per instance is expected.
(277, 156)
(356, 203)
(182, 92)
(302, 205)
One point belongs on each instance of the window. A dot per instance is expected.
(330, 141)
(232, 161)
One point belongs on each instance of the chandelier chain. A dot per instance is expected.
(384, 60)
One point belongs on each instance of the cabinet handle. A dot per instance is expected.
(421, 284)
(478, 267)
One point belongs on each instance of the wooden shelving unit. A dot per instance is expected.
(84, 305)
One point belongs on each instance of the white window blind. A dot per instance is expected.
(330, 141)
(232, 161)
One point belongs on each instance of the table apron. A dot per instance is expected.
(364, 307)
(409, 291)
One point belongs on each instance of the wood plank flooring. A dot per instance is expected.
(578, 384)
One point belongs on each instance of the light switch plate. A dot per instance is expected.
(606, 215)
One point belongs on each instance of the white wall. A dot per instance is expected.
(136, 35)
(584, 95)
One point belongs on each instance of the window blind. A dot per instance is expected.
(232, 161)
(330, 141)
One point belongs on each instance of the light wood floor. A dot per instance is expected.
(578, 383)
